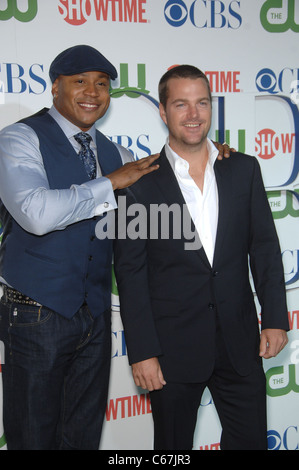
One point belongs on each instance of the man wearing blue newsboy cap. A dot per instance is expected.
(78, 59)
(58, 175)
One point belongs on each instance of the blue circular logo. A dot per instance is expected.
(175, 12)
(274, 440)
(266, 81)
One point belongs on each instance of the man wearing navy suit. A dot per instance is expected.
(188, 309)
(56, 275)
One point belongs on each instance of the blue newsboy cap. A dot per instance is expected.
(79, 59)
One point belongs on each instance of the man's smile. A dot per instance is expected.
(89, 106)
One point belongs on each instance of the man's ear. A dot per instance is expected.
(55, 88)
(163, 113)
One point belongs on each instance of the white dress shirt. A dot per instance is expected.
(202, 206)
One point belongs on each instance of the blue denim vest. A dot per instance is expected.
(65, 268)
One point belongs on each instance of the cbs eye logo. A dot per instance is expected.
(266, 81)
(270, 82)
(175, 12)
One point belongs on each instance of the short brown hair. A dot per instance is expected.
(180, 71)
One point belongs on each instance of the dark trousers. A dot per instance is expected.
(240, 403)
(55, 377)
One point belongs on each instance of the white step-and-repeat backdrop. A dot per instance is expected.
(249, 50)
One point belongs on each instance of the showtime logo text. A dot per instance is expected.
(268, 143)
(127, 407)
(223, 82)
(77, 12)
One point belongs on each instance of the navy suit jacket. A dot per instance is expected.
(170, 296)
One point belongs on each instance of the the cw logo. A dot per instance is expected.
(132, 92)
(13, 11)
(275, 19)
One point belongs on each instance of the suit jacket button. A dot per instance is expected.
(211, 306)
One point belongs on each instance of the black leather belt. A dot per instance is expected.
(12, 295)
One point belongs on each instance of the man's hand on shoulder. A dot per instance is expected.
(224, 150)
(131, 172)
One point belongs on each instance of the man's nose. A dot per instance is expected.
(193, 111)
(91, 89)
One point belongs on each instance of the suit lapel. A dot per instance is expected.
(167, 181)
(172, 194)
(224, 185)
(169, 186)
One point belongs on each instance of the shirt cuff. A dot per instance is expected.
(103, 194)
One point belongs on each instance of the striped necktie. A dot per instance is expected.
(86, 155)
